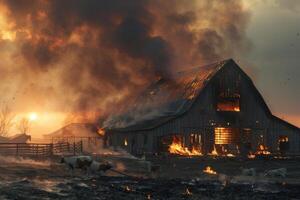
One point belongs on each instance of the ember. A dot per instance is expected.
(177, 148)
(262, 150)
(209, 170)
(214, 152)
(101, 131)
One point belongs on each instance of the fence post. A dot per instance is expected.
(74, 149)
(17, 149)
(51, 149)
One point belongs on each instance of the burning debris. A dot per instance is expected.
(209, 170)
(262, 150)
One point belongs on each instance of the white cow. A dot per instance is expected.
(99, 167)
(77, 162)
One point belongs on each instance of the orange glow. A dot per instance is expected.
(177, 148)
(230, 155)
(262, 150)
(101, 131)
(229, 104)
(226, 135)
(214, 152)
(209, 170)
(283, 139)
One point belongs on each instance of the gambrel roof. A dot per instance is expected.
(167, 99)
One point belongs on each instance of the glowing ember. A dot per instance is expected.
(177, 148)
(101, 131)
(209, 170)
(214, 152)
(230, 155)
(262, 150)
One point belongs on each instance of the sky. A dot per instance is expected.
(274, 58)
(72, 60)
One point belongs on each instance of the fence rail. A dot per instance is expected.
(40, 149)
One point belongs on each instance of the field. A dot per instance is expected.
(178, 178)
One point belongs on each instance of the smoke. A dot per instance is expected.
(92, 56)
(24, 161)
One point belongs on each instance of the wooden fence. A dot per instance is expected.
(40, 150)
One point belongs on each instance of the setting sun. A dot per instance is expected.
(32, 116)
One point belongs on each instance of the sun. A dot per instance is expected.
(32, 116)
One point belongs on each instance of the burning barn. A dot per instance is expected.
(214, 109)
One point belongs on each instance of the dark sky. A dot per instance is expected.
(274, 59)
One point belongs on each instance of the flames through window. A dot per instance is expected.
(226, 135)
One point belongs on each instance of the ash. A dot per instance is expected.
(49, 180)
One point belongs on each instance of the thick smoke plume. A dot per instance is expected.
(94, 55)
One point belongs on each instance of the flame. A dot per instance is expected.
(177, 148)
(125, 142)
(209, 170)
(101, 131)
(262, 150)
(284, 139)
(230, 155)
(214, 152)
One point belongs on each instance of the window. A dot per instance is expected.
(229, 103)
(283, 144)
(226, 135)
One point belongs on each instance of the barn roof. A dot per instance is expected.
(75, 130)
(165, 99)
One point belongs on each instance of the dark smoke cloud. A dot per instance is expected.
(96, 54)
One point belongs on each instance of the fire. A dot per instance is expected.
(125, 142)
(230, 155)
(214, 152)
(209, 170)
(177, 148)
(262, 150)
(101, 131)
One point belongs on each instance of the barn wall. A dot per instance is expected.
(203, 117)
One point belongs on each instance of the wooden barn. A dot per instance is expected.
(210, 108)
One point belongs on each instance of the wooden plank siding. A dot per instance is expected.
(203, 116)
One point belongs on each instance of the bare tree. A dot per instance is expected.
(6, 120)
(24, 126)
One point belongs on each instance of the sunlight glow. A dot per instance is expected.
(32, 116)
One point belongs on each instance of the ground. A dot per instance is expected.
(179, 178)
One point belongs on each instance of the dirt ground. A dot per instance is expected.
(177, 178)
